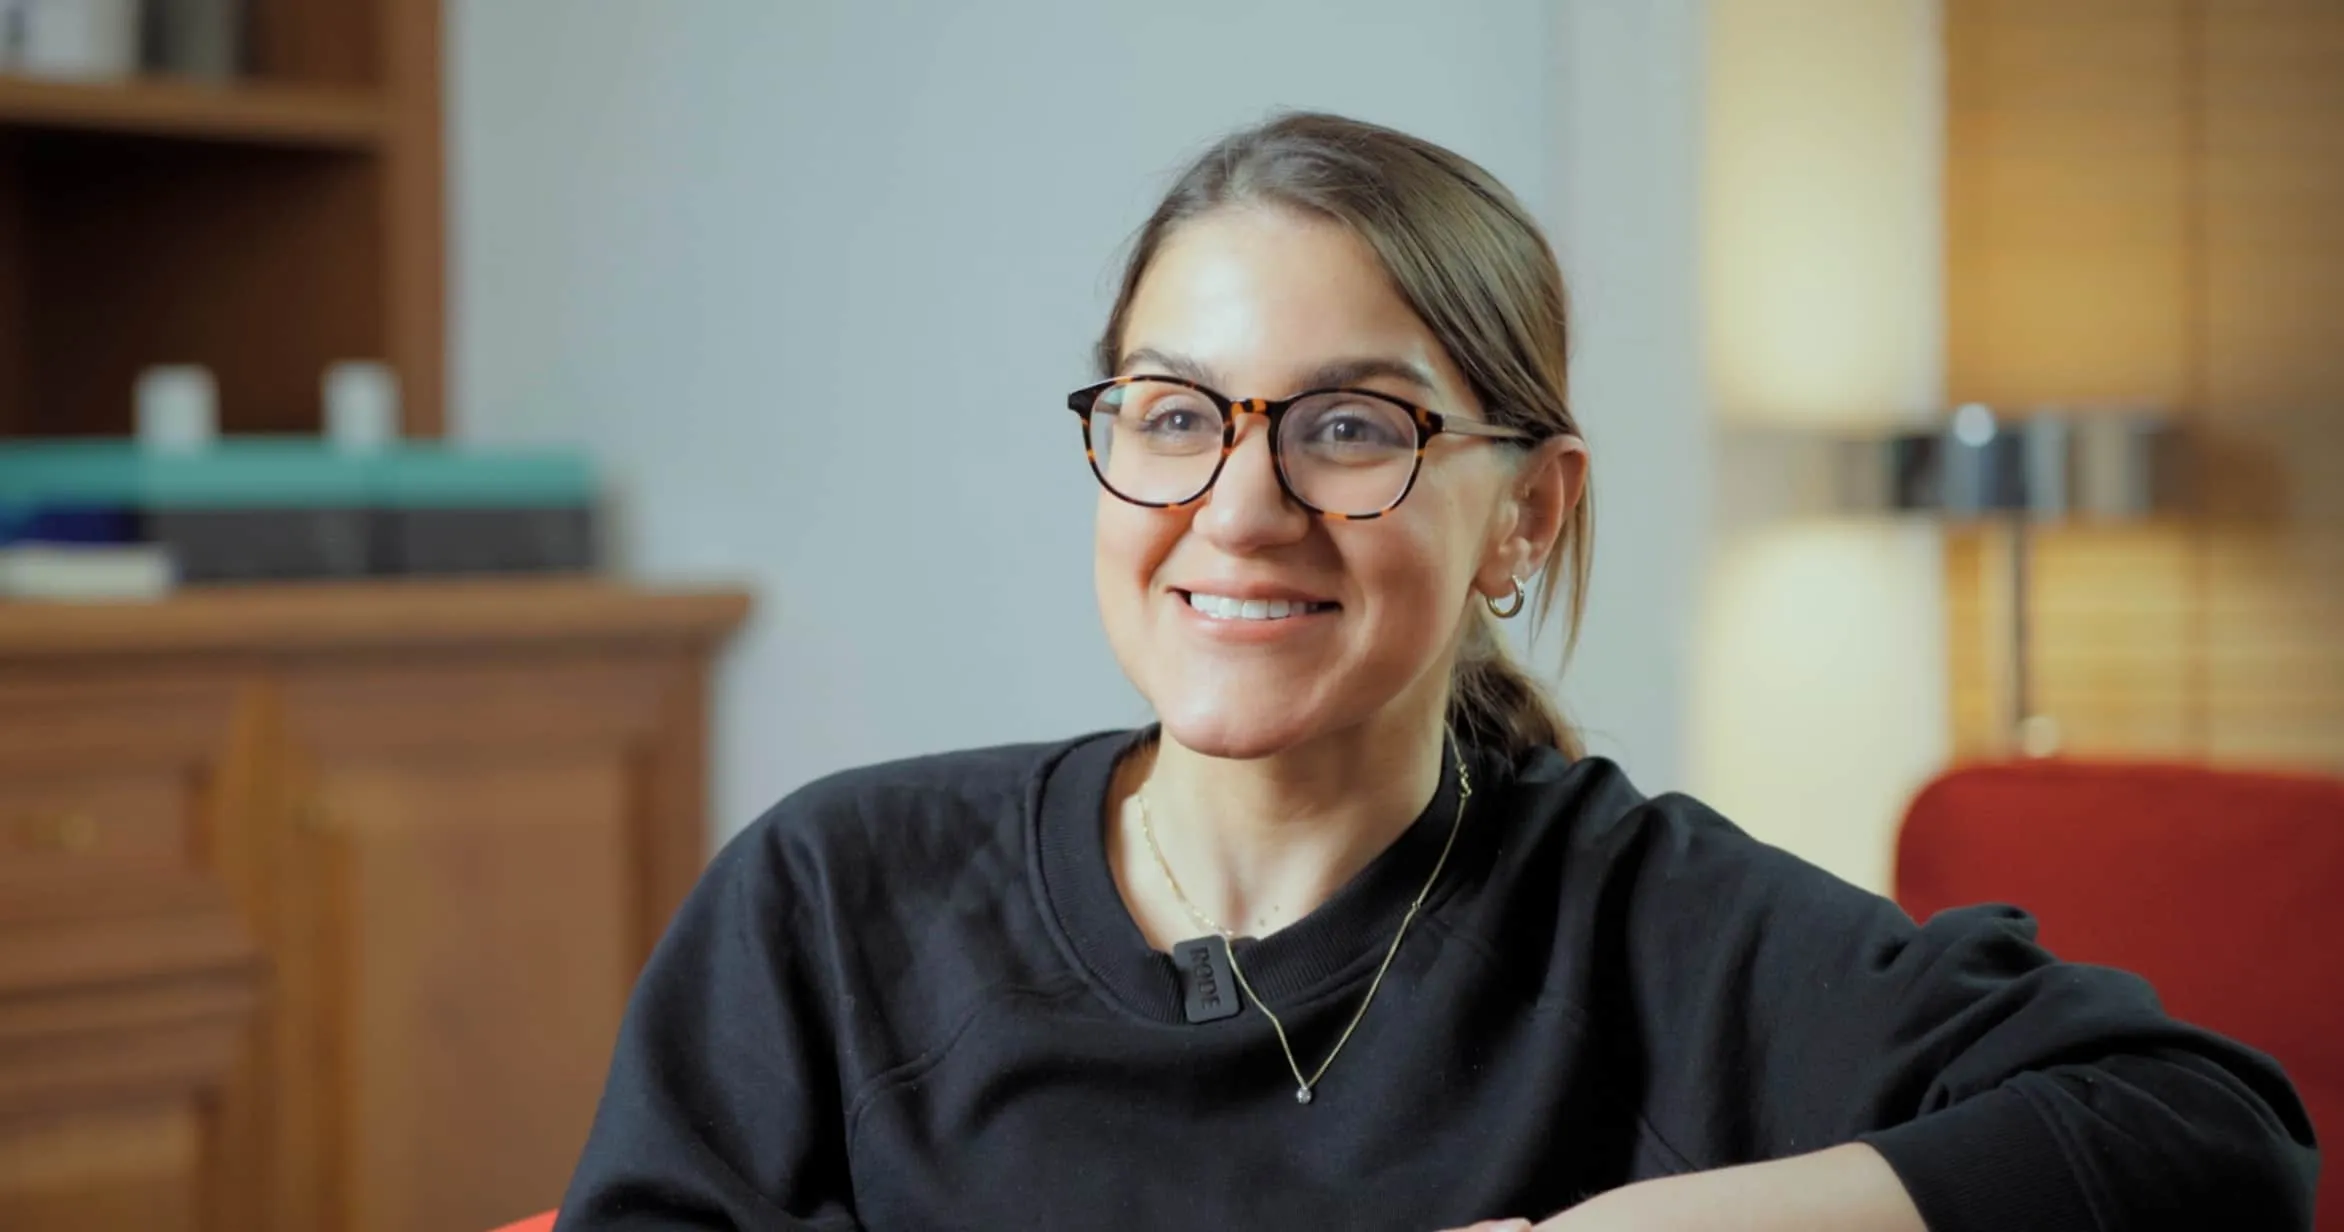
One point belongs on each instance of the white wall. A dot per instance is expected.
(1820, 683)
(1626, 173)
(810, 278)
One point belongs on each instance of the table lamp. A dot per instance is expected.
(2018, 473)
(2012, 471)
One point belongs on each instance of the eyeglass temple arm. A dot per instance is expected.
(1474, 427)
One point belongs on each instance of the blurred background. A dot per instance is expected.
(459, 462)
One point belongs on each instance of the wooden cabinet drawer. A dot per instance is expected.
(84, 824)
(113, 793)
(104, 1168)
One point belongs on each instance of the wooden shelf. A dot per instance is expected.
(315, 617)
(257, 114)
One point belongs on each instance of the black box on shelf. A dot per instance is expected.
(549, 539)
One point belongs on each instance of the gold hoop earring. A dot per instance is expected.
(1513, 605)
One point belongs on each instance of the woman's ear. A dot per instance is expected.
(1538, 503)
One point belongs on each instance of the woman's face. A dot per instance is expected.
(1261, 303)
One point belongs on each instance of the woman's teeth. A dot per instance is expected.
(1222, 607)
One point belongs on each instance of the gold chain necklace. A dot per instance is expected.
(1303, 1085)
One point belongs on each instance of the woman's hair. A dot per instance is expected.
(1473, 266)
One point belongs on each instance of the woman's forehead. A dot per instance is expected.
(1254, 296)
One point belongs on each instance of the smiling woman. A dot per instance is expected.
(1354, 935)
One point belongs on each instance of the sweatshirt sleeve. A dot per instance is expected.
(1782, 1011)
(722, 1108)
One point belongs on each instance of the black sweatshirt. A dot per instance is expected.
(910, 997)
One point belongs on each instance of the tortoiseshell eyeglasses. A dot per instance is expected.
(1344, 454)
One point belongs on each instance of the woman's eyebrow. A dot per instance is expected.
(1329, 375)
(1177, 365)
(1365, 368)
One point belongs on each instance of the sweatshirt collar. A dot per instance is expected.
(1331, 946)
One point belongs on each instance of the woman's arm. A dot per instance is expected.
(1781, 1011)
(722, 1105)
(1842, 1189)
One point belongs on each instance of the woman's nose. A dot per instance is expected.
(1247, 505)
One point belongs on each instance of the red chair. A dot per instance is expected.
(2224, 889)
(535, 1223)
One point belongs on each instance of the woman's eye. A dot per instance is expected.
(1355, 428)
(1176, 421)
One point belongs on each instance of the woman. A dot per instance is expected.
(1354, 937)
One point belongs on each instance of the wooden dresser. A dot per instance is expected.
(319, 905)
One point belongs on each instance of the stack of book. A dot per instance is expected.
(87, 519)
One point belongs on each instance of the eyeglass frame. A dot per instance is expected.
(1429, 424)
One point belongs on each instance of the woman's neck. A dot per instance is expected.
(1258, 844)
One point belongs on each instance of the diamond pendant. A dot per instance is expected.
(1302, 1095)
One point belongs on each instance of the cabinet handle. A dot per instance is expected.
(69, 831)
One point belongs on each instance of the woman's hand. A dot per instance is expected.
(1844, 1189)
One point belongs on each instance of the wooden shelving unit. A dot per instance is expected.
(261, 114)
(263, 229)
(321, 902)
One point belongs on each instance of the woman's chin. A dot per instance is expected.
(1239, 731)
